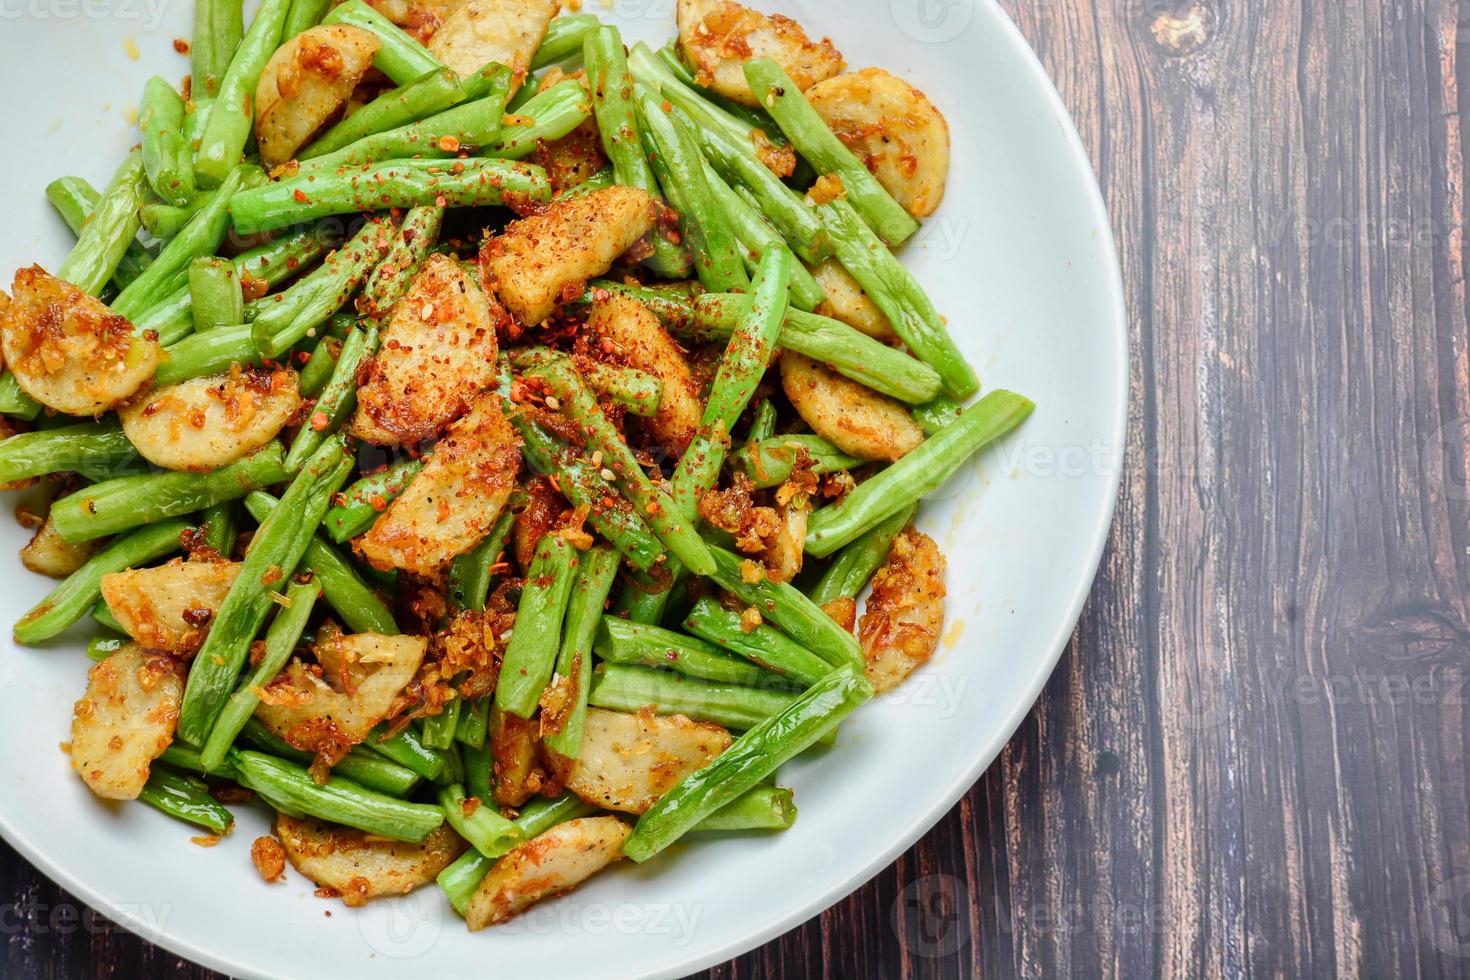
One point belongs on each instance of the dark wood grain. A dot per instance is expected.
(1252, 760)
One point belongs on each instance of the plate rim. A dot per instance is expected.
(923, 819)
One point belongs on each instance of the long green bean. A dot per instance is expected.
(392, 184)
(770, 462)
(319, 294)
(339, 801)
(809, 133)
(663, 517)
(361, 765)
(680, 168)
(752, 757)
(759, 808)
(230, 116)
(344, 589)
(461, 879)
(219, 26)
(781, 604)
(744, 363)
(548, 116)
(565, 36)
(109, 231)
(275, 551)
(185, 799)
(619, 641)
(479, 822)
(771, 649)
(921, 471)
(530, 656)
(596, 573)
(214, 294)
(127, 502)
(622, 138)
(362, 502)
(470, 573)
(855, 565)
(99, 446)
(430, 93)
(75, 200)
(399, 56)
(280, 642)
(14, 401)
(168, 160)
(70, 600)
(337, 398)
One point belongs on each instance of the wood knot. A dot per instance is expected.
(1414, 633)
(1181, 29)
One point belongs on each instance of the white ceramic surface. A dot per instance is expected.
(1021, 260)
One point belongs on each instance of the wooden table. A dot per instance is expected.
(1252, 758)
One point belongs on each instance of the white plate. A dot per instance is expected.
(1021, 260)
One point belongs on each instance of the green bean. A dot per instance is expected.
(935, 415)
(663, 517)
(487, 831)
(727, 145)
(186, 759)
(462, 878)
(714, 316)
(608, 512)
(110, 230)
(393, 184)
(14, 401)
(185, 799)
(75, 200)
(339, 801)
(410, 245)
(304, 15)
(548, 116)
(228, 126)
(431, 93)
(636, 391)
(70, 600)
(203, 354)
(621, 642)
(129, 501)
(101, 446)
(622, 139)
(757, 237)
(751, 758)
(896, 292)
(763, 645)
(214, 294)
(680, 168)
(471, 572)
(564, 38)
(759, 808)
(808, 132)
(599, 181)
(316, 374)
(770, 462)
(596, 572)
(530, 656)
(337, 397)
(344, 589)
(319, 294)
(364, 767)
(472, 125)
(168, 160)
(275, 262)
(275, 551)
(102, 616)
(280, 642)
(399, 56)
(744, 363)
(219, 526)
(855, 565)
(639, 605)
(781, 604)
(440, 729)
(362, 502)
(218, 27)
(201, 236)
(474, 726)
(763, 426)
(408, 750)
(920, 472)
